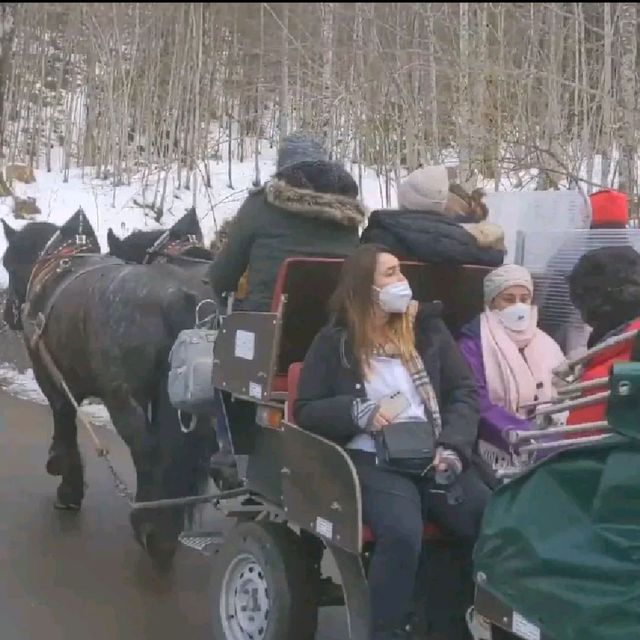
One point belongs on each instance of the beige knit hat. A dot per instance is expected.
(426, 189)
(507, 275)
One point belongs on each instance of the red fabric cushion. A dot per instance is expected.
(600, 367)
(280, 384)
(430, 532)
(293, 377)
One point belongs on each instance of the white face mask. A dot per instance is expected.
(395, 297)
(516, 317)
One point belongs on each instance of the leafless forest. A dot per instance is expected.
(545, 90)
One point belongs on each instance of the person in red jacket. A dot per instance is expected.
(605, 288)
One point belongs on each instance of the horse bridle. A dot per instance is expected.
(161, 251)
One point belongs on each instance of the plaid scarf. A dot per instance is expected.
(421, 381)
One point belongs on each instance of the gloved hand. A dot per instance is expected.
(448, 466)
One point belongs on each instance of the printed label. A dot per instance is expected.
(245, 344)
(255, 390)
(324, 528)
(525, 629)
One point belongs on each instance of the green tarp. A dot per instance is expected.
(561, 544)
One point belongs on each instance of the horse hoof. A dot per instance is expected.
(160, 554)
(68, 498)
(59, 505)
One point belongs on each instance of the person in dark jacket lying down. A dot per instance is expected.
(435, 225)
(378, 343)
(309, 208)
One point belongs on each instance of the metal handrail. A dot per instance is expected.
(514, 437)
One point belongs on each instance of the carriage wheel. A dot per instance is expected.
(261, 586)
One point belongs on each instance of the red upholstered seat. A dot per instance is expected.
(292, 379)
(279, 384)
(430, 533)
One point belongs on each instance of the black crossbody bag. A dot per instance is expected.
(406, 447)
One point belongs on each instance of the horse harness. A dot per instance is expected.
(163, 250)
(59, 262)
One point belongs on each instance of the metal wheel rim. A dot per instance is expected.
(244, 602)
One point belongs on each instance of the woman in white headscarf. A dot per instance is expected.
(512, 360)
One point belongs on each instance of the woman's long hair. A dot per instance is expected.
(473, 207)
(353, 305)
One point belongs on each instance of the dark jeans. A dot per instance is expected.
(395, 507)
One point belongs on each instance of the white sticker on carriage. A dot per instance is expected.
(255, 390)
(524, 629)
(324, 528)
(245, 344)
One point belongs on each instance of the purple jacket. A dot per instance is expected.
(494, 420)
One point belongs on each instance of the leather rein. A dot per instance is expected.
(163, 251)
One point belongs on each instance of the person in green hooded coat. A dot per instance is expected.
(310, 207)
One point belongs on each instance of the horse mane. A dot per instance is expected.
(198, 253)
(142, 240)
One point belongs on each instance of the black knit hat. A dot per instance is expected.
(605, 285)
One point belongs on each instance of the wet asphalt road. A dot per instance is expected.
(67, 576)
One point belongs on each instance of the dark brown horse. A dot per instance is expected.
(181, 245)
(108, 328)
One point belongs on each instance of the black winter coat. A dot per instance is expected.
(428, 236)
(280, 221)
(330, 381)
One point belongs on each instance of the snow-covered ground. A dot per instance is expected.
(24, 385)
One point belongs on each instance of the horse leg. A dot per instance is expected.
(70, 492)
(64, 456)
(132, 424)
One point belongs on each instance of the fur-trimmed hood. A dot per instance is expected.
(487, 234)
(325, 206)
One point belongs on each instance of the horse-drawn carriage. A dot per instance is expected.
(300, 488)
(300, 495)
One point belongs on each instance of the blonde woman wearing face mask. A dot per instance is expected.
(380, 347)
(511, 360)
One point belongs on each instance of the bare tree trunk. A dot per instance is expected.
(464, 121)
(498, 90)
(480, 139)
(284, 73)
(327, 10)
(433, 85)
(607, 111)
(258, 115)
(7, 31)
(628, 49)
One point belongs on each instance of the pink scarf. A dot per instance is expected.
(515, 379)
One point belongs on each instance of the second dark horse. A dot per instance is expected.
(108, 328)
